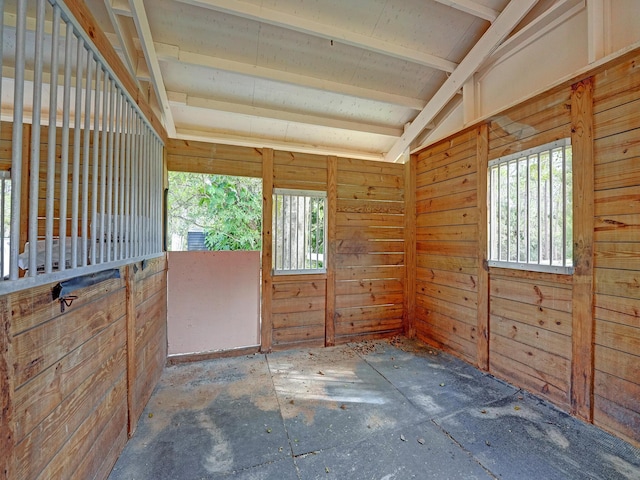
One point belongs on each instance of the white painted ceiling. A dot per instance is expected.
(343, 77)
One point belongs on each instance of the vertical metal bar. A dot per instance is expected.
(305, 232)
(35, 140)
(2, 207)
(127, 179)
(117, 178)
(156, 203)
(290, 223)
(109, 218)
(550, 207)
(104, 134)
(275, 231)
(64, 159)
(564, 206)
(86, 160)
(134, 189)
(499, 214)
(97, 115)
(527, 207)
(141, 183)
(490, 209)
(51, 142)
(539, 215)
(75, 182)
(157, 196)
(94, 180)
(145, 192)
(517, 210)
(121, 176)
(508, 212)
(16, 144)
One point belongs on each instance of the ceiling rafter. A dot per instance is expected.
(310, 27)
(172, 53)
(128, 48)
(513, 13)
(211, 136)
(146, 40)
(472, 8)
(287, 116)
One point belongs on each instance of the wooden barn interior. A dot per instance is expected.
(394, 110)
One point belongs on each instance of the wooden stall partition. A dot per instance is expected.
(69, 373)
(298, 302)
(530, 342)
(369, 250)
(530, 314)
(146, 332)
(616, 402)
(446, 248)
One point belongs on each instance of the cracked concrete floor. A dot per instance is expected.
(372, 410)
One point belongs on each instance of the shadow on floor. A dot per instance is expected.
(370, 410)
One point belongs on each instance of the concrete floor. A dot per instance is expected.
(373, 410)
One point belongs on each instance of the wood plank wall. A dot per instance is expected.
(446, 245)
(69, 371)
(369, 256)
(617, 249)
(298, 301)
(530, 314)
(544, 334)
(361, 296)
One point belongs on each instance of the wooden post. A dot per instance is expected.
(266, 328)
(409, 304)
(582, 367)
(332, 207)
(7, 440)
(482, 331)
(131, 347)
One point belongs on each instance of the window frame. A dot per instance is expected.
(321, 194)
(525, 157)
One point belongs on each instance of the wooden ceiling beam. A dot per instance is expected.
(472, 8)
(310, 27)
(146, 40)
(283, 115)
(212, 136)
(128, 49)
(172, 53)
(513, 13)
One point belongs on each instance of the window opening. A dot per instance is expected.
(214, 212)
(299, 230)
(531, 209)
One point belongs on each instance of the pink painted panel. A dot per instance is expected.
(213, 301)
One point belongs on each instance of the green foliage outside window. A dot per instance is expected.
(227, 209)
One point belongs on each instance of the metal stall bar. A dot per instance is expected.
(86, 159)
(51, 143)
(35, 140)
(94, 179)
(108, 212)
(116, 174)
(102, 175)
(64, 162)
(128, 182)
(16, 144)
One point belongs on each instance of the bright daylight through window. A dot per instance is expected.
(531, 209)
(299, 228)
